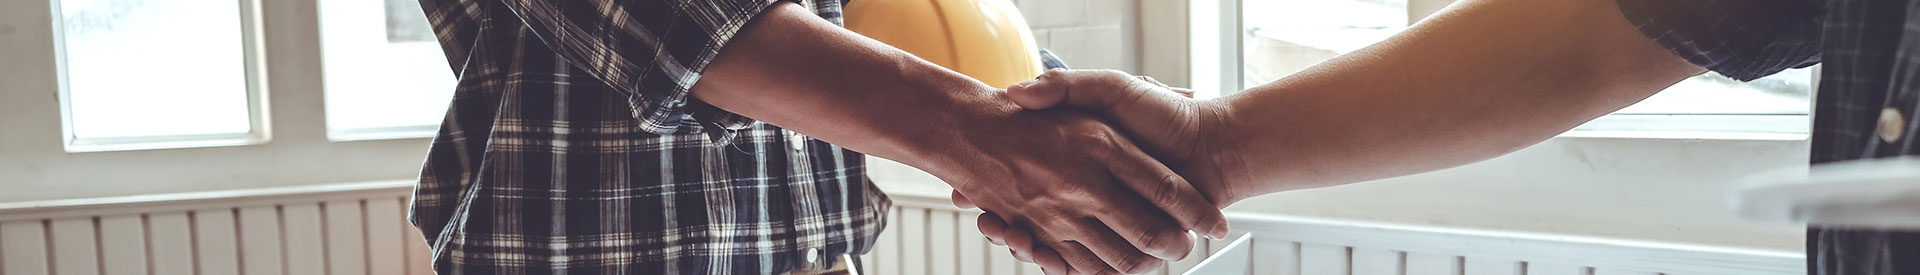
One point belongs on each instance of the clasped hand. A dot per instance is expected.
(1051, 197)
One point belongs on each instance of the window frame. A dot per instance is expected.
(289, 144)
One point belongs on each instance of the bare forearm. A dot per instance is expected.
(792, 69)
(1480, 80)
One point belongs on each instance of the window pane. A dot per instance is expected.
(1285, 36)
(385, 73)
(1786, 93)
(149, 68)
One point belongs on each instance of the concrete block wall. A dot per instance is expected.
(1087, 34)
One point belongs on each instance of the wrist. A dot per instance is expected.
(952, 141)
(1225, 175)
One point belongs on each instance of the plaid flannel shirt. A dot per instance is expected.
(573, 146)
(1869, 89)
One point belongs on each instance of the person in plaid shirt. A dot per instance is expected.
(1486, 77)
(627, 137)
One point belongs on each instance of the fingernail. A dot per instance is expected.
(1219, 231)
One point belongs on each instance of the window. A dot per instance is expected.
(385, 74)
(125, 97)
(1243, 43)
(156, 73)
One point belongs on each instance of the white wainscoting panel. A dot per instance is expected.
(336, 229)
(1286, 245)
(359, 229)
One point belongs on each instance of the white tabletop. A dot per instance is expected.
(1881, 193)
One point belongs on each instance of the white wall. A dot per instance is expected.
(1087, 34)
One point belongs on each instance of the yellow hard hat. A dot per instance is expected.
(985, 39)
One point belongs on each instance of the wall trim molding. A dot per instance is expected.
(107, 206)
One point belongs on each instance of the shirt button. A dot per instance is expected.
(813, 255)
(797, 141)
(1892, 125)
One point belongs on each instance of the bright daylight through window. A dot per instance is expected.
(385, 74)
(153, 70)
(1284, 36)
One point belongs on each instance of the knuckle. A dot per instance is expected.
(1152, 243)
(1166, 191)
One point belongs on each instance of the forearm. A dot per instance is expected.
(1479, 80)
(790, 68)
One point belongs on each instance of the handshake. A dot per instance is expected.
(1075, 195)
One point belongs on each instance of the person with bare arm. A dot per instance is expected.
(1483, 78)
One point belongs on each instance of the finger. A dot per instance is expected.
(1091, 89)
(993, 227)
(1049, 261)
(1020, 238)
(1079, 260)
(1146, 228)
(1171, 193)
(962, 201)
(1115, 251)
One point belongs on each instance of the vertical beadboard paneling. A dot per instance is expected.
(171, 243)
(260, 241)
(1324, 259)
(346, 238)
(1493, 266)
(229, 232)
(886, 248)
(1275, 256)
(1375, 261)
(973, 245)
(1535, 268)
(216, 241)
(913, 241)
(123, 245)
(306, 251)
(943, 243)
(23, 248)
(1432, 264)
(385, 249)
(75, 246)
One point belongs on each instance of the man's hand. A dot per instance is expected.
(1052, 172)
(1165, 121)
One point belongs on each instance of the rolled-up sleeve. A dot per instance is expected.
(1742, 39)
(651, 50)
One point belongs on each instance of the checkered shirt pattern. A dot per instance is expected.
(1870, 51)
(572, 146)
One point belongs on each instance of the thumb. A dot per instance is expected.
(1038, 93)
(1087, 89)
